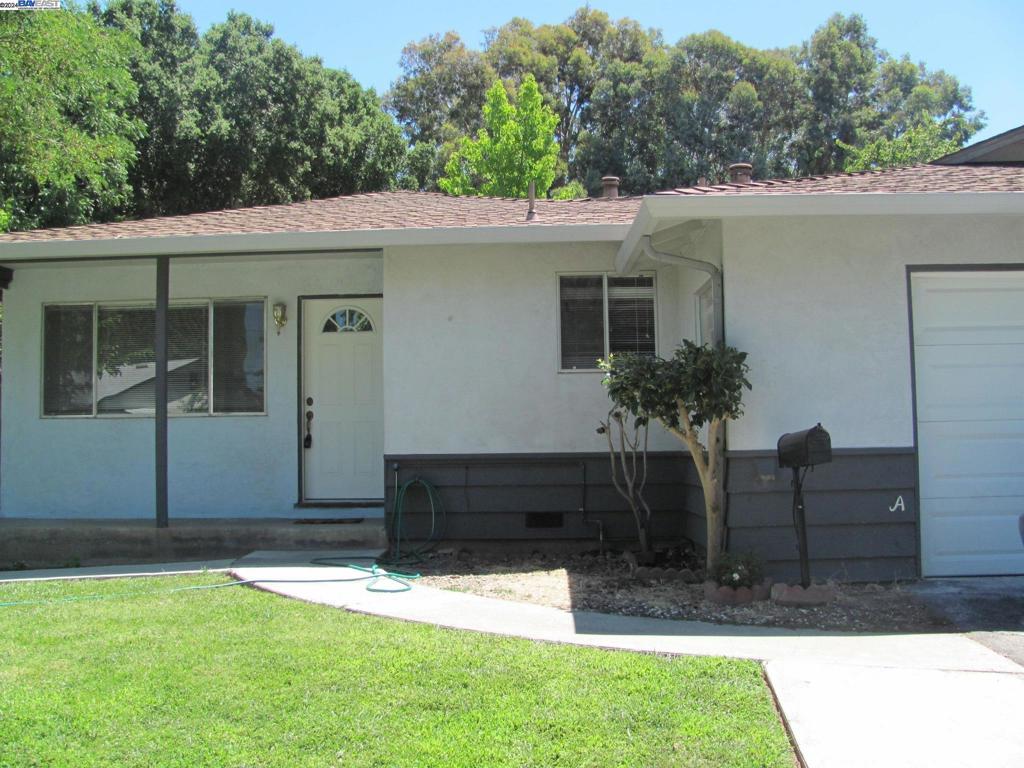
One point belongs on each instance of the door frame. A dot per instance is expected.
(912, 269)
(300, 364)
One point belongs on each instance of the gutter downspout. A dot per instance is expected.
(717, 294)
(717, 287)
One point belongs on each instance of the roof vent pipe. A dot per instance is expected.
(741, 173)
(531, 211)
(610, 187)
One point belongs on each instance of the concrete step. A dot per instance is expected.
(28, 543)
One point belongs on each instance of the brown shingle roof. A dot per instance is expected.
(915, 178)
(376, 210)
(408, 210)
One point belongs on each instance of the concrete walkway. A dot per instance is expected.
(848, 699)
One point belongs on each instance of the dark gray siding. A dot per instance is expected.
(489, 497)
(852, 535)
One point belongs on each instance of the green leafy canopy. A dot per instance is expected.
(515, 146)
(705, 381)
(67, 134)
(919, 144)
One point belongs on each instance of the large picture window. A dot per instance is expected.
(601, 315)
(99, 359)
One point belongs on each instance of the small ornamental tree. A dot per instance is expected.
(627, 437)
(515, 146)
(698, 387)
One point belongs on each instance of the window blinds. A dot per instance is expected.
(582, 320)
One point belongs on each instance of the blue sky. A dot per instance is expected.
(979, 42)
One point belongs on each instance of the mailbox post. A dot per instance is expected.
(799, 451)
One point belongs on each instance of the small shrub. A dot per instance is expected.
(738, 570)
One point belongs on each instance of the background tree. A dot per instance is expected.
(237, 117)
(437, 100)
(920, 144)
(699, 387)
(164, 64)
(661, 115)
(515, 146)
(66, 127)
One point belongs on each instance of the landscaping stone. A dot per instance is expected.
(631, 561)
(763, 591)
(735, 595)
(794, 595)
(687, 576)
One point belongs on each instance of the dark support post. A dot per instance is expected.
(163, 281)
(800, 521)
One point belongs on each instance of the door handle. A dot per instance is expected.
(307, 441)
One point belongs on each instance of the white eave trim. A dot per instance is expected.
(835, 204)
(725, 206)
(284, 242)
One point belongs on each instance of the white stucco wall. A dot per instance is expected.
(220, 466)
(471, 350)
(820, 305)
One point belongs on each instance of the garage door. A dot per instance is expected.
(969, 357)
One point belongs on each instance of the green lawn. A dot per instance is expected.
(237, 677)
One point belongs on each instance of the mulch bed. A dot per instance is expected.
(606, 583)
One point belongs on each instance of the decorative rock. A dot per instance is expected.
(630, 559)
(725, 596)
(794, 595)
(687, 576)
(763, 591)
(735, 595)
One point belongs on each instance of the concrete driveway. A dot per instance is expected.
(989, 609)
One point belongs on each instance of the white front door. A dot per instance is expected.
(969, 359)
(342, 401)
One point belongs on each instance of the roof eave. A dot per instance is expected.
(284, 242)
(978, 151)
(656, 208)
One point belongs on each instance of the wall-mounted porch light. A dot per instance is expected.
(280, 316)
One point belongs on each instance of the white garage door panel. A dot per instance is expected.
(947, 388)
(971, 536)
(968, 308)
(971, 459)
(969, 368)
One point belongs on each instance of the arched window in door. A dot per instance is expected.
(347, 319)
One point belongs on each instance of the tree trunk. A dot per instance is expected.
(714, 491)
(644, 537)
(711, 470)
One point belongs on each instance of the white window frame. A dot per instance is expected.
(209, 301)
(604, 288)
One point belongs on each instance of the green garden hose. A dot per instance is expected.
(374, 575)
(395, 523)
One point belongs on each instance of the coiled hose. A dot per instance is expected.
(378, 579)
(395, 523)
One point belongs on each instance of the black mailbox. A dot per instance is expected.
(805, 449)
